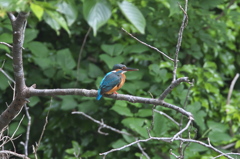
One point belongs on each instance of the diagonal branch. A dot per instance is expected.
(180, 33)
(154, 48)
(172, 85)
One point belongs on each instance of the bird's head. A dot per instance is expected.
(123, 68)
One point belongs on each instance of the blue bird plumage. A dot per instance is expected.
(113, 80)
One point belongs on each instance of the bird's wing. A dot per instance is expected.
(109, 81)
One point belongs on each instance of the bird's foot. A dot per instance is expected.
(115, 92)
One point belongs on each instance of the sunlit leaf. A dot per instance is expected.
(37, 10)
(96, 13)
(134, 15)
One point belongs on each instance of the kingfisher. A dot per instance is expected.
(113, 80)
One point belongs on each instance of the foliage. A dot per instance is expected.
(209, 54)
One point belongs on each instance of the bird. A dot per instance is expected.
(113, 80)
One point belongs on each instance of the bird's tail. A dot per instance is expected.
(99, 96)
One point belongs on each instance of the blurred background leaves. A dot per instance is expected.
(55, 32)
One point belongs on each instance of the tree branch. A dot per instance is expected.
(172, 85)
(180, 33)
(154, 48)
(168, 139)
(18, 26)
(14, 154)
(93, 93)
(231, 88)
(102, 124)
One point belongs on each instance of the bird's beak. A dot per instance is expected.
(129, 69)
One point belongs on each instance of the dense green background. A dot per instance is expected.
(209, 54)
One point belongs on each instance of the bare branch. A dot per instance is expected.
(100, 127)
(8, 77)
(35, 149)
(181, 131)
(14, 154)
(18, 25)
(28, 130)
(167, 116)
(6, 44)
(167, 139)
(143, 152)
(102, 124)
(80, 53)
(154, 48)
(231, 153)
(9, 56)
(173, 85)
(180, 33)
(93, 93)
(11, 17)
(231, 88)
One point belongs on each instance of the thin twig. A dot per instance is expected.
(101, 123)
(9, 56)
(6, 44)
(167, 139)
(167, 116)
(100, 127)
(143, 152)
(80, 54)
(154, 48)
(181, 131)
(8, 77)
(173, 154)
(230, 153)
(171, 86)
(35, 149)
(180, 33)
(14, 153)
(28, 130)
(231, 88)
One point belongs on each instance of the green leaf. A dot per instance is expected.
(68, 103)
(52, 23)
(33, 101)
(136, 124)
(37, 10)
(56, 20)
(216, 126)
(76, 147)
(87, 107)
(65, 60)
(30, 34)
(120, 143)
(121, 108)
(38, 49)
(96, 13)
(111, 61)
(144, 112)
(89, 153)
(113, 50)
(4, 81)
(199, 115)
(136, 48)
(173, 7)
(43, 62)
(237, 145)
(70, 10)
(94, 71)
(13, 127)
(134, 15)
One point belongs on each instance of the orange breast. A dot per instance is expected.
(117, 87)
